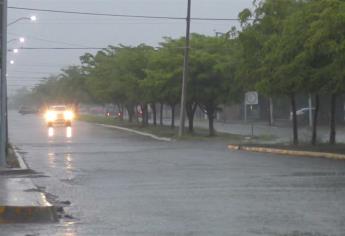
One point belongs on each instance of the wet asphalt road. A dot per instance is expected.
(124, 184)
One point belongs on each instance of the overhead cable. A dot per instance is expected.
(121, 15)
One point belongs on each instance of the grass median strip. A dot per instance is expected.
(160, 132)
(153, 131)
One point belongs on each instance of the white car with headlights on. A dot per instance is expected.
(59, 115)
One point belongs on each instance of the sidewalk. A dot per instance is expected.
(20, 202)
(282, 132)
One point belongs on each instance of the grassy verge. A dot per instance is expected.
(167, 131)
(158, 130)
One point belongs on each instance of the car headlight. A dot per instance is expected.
(50, 116)
(69, 115)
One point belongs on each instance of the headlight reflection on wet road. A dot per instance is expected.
(50, 132)
(68, 161)
(51, 159)
(68, 132)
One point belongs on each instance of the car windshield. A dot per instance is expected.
(58, 108)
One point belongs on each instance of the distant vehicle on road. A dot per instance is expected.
(116, 115)
(24, 110)
(59, 115)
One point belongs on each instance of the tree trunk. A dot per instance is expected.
(161, 114)
(190, 110)
(332, 133)
(144, 115)
(130, 113)
(136, 114)
(294, 120)
(154, 112)
(315, 119)
(173, 116)
(120, 113)
(210, 115)
(271, 116)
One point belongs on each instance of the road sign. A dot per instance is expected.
(252, 98)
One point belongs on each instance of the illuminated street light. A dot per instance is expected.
(21, 40)
(11, 62)
(31, 18)
(15, 50)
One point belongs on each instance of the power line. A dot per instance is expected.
(59, 48)
(126, 23)
(29, 78)
(92, 48)
(121, 15)
(44, 66)
(24, 77)
(28, 72)
(21, 85)
(49, 41)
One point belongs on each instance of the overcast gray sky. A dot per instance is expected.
(61, 30)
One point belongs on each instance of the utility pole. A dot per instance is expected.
(3, 84)
(185, 74)
(310, 104)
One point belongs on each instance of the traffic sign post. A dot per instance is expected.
(251, 99)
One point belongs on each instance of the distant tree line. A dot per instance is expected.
(283, 48)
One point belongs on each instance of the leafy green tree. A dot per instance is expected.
(73, 85)
(164, 74)
(212, 73)
(98, 75)
(262, 64)
(131, 64)
(294, 51)
(114, 76)
(21, 97)
(325, 44)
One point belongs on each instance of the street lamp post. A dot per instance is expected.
(185, 74)
(20, 40)
(3, 84)
(31, 18)
(3, 81)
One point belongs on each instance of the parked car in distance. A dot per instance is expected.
(24, 110)
(303, 113)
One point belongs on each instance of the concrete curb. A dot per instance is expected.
(333, 156)
(27, 214)
(137, 132)
(22, 163)
(17, 208)
(23, 167)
